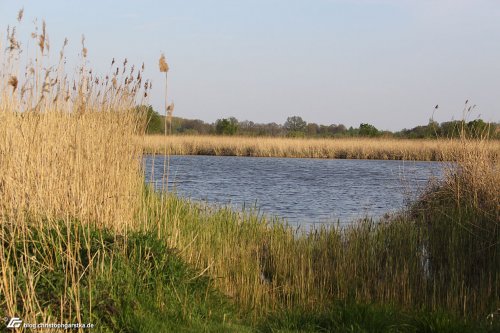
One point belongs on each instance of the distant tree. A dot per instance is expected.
(246, 127)
(154, 121)
(189, 126)
(323, 130)
(295, 126)
(386, 134)
(246, 124)
(336, 129)
(421, 132)
(432, 129)
(450, 129)
(312, 129)
(368, 130)
(352, 131)
(478, 128)
(226, 126)
(272, 129)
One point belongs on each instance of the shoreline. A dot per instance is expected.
(147, 153)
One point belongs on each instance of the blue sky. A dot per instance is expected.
(385, 62)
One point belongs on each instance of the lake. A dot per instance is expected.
(303, 191)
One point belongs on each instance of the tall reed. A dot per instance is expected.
(461, 217)
(69, 162)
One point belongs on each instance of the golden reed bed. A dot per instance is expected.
(352, 148)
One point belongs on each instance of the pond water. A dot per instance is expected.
(304, 191)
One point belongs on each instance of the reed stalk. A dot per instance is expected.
(68, 164)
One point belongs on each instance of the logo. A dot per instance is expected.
(14, 322)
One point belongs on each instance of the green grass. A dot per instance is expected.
(142, 285)
(368, 318)
(136, 284)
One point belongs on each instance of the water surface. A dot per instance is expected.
(300, 190)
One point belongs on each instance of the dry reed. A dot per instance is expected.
(353, 148)
(67, 156)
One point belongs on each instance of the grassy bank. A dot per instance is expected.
(125, 284)
(139, 284)
(192, 268)
(197, 268)
(83, 240)
(354, 148)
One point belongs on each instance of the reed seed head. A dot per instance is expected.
(163, 64)
(61, 53)
(13, 82)
(42, 37)
(13, 43)
(170, 109)
(84, 49)
(20, 15)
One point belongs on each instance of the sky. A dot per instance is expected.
(383, 62)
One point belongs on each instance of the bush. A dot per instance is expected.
(226, 126)
(368, 130)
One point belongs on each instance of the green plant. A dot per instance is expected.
(226, 126)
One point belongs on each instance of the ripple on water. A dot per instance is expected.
(302, 191)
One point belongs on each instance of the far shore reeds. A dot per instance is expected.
(345, 148)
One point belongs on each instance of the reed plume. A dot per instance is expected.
(164, 69)
(20, 15)
(163, 64)
(13, 82)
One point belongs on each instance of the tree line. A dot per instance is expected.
(295, 126)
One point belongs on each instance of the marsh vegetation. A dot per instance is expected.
(345, 148)
(84, 240)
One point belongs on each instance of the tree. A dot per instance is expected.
(226, 126)
(368, 130)
(337, 129)
(478, 128)
(312, 129)
(271, 129)
(194, 126)
(295, 124)
(154, 121)
(451, 129)
(352, 131)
